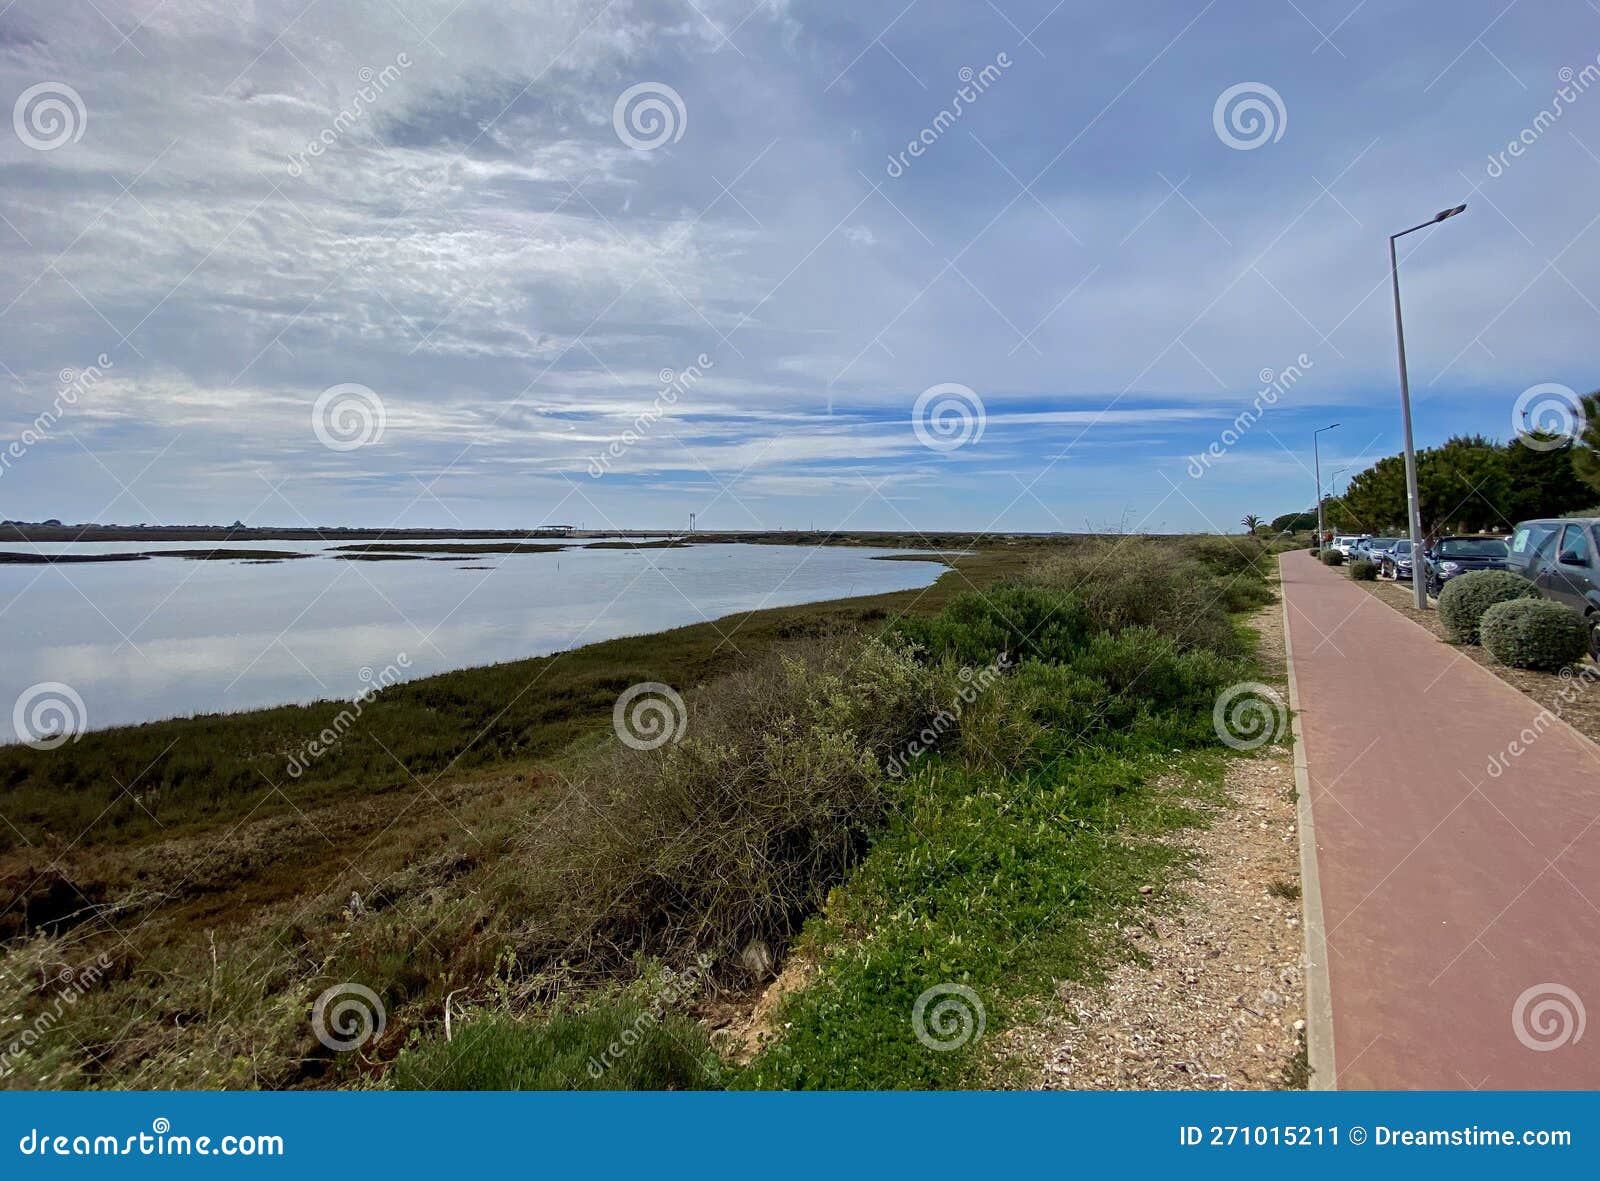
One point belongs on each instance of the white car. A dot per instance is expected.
(1346, 542)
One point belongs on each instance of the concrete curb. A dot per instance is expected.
(1319, 995)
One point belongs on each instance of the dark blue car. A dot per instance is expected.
(1452, 557)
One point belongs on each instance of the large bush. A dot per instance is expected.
(1535, 633)
(1332, 557)
(1467, 596)
(1363, 570)
(738, 831)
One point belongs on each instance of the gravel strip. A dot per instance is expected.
(1215, 999)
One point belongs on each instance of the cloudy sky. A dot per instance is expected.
(427, 262)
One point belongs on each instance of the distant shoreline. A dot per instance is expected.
(13, 533)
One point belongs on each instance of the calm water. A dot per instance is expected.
(144, 640)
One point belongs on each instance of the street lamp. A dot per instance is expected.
(1316, 459)
(1413, 503)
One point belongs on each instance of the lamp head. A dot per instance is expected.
(1446, 213)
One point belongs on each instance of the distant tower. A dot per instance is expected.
(691, 522)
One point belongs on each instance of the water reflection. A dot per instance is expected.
(165, 637)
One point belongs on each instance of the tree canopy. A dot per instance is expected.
(1473, 485)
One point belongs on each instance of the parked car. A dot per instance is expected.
(1396, 562)
(1451, 557)
(1373, 549)
(1559, 557)
(1346, 542)
(1532, 544)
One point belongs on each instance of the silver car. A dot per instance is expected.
(1374, 548)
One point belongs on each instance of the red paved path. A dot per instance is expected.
(1446, 892)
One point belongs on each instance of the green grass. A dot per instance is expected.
(615, 1046)
(1002, 884)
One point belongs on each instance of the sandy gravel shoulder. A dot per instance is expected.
(1215, 997)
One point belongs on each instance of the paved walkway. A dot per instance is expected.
(1448, 894)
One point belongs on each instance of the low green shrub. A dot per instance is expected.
(1535, 633)
(1023, 621)
(610, 1047)
(1467, 596)
(1316, 551)
(1363, 570)
(1332, 557)
(1123, 689)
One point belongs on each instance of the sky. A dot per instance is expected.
(471, 264)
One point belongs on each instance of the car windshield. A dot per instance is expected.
(1383, 543)
(1472, 547)
(1402, 547)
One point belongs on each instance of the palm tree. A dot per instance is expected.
(1251, 522)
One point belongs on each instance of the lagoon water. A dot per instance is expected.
(170, 636)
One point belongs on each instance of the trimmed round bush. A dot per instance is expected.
(1535, 633)
(1332, 557)
(1315, 550)
(1363, 571)
(1467, 596)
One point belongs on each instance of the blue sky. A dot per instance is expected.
(494, 263)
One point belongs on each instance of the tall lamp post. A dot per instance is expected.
(1419, 583)
(1316, 460)
(1333, 481)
